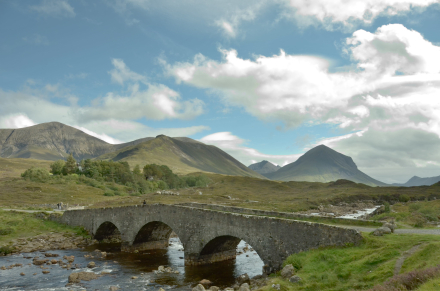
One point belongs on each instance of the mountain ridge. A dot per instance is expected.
(54, 140)
(323, 164)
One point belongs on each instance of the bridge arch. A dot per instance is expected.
(107, 230)
(152, 235)
(221, 248)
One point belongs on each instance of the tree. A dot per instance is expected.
(56, 167)
(70, 166)
(137, 170)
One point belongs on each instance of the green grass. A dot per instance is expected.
(15, 225)
(357, 267)
(416, 214)
(430, 285)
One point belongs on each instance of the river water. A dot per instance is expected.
(123, 266)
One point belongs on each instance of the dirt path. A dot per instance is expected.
(403, 257)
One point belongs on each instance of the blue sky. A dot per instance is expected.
(259, 79)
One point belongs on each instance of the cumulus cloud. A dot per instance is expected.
(19, 120)
(157, 102)
(393, 86)
(235, 146)
(55, 8)
(333, 14)
(112, 118)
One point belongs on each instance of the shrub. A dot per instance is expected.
(56, 168)
(5, 250)
(387, 207)
(109, 193)
(6, 231)
(404, 198)
(36, 174)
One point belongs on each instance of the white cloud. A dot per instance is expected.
(121, 73)
(56, 8)
(157, 102)
(235, 146)
(394, 86)
(15, 121)
(101, 136)
(334, 14)
(111, 118)
(36, 39)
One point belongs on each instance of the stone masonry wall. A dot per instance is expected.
(274, 239)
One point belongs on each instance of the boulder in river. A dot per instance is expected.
(91, 265)
(205, 283)
(244, 287)
(244, 278)
(82, 276)
(199, 287)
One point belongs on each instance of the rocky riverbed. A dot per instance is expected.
(50, 241)
(103, 266)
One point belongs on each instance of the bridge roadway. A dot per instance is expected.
(208, 236)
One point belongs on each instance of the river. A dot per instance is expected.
(123, 266)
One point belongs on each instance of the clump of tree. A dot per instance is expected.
(94, 173)
(36, 174)
(67, 167)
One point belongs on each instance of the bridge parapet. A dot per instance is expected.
(209, 236)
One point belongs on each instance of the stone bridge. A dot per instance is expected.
(208, 236)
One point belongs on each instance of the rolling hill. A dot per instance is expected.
(182, 155)
(322, 164)
(264, 167)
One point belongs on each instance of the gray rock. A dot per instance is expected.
(295, 279)
(199, 287)
(288, 271)
(244, 287)
(390, 225)
(381, 231)
(276, 286)
(113, 288)
(214, 288)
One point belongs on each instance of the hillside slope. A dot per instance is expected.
(182, 155)
(322, 164)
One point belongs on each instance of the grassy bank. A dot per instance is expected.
(360, 267)
(14, 225)
(416, 214)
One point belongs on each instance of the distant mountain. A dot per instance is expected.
(53, 141)
(322, 164)
(264, 167)
(417, 181)
(182, 155)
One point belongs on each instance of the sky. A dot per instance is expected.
(260, 79)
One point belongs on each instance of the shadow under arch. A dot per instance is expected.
(229, 256)
(108, 232)
(152, 236)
